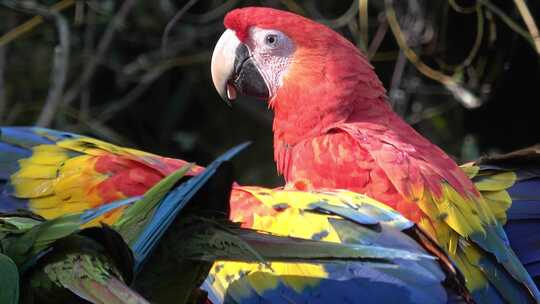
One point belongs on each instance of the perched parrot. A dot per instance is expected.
(315, 246)
(333, 128)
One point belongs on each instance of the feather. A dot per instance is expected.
(522, 223)
(51, 173)
(330, 216)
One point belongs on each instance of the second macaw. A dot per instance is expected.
(62, 257)
(333, 128)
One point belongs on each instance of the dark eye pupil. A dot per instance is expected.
(271, 39)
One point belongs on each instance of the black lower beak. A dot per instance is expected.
(247, 79)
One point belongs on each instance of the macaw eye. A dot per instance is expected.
(271, 40)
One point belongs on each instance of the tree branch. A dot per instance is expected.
(461, 94)
(102, 48)
(172, 22)
(60, 57)
(32, 23)
(529, 21)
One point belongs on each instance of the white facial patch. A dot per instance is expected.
(272, 52)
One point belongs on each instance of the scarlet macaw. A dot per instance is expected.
(347, 247)
(333, 128)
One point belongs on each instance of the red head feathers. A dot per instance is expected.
(325, 77)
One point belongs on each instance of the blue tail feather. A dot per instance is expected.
(523, 225)
(524, 210)
(10, 204)
(28, 137)
(9, 156)
(25, 137)
(171, 206)
(534, 270)
(528, 189)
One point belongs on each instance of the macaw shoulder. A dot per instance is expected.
(398, 168)
(339, 160)
(408, 158)
(353, 157)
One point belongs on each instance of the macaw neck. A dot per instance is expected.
(301, 120)
(297, 121)
(372, 117)
(324, 88)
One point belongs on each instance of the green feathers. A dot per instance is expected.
(9, 280)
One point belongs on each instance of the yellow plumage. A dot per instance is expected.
(57, 183)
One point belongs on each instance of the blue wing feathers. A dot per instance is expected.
(27, 137)
(396, 281)
(523, 225)
(171, 206)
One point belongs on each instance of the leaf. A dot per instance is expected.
(9, 281)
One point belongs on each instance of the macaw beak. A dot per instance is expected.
(234, 70)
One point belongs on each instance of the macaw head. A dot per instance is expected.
(278, 56)
(312, 77)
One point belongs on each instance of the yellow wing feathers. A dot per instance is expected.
(62, 177)
(492, 185)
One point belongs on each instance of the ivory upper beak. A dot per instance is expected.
(222, 66)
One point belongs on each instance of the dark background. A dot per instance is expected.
(123, 86)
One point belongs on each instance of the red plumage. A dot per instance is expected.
(333, 126)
